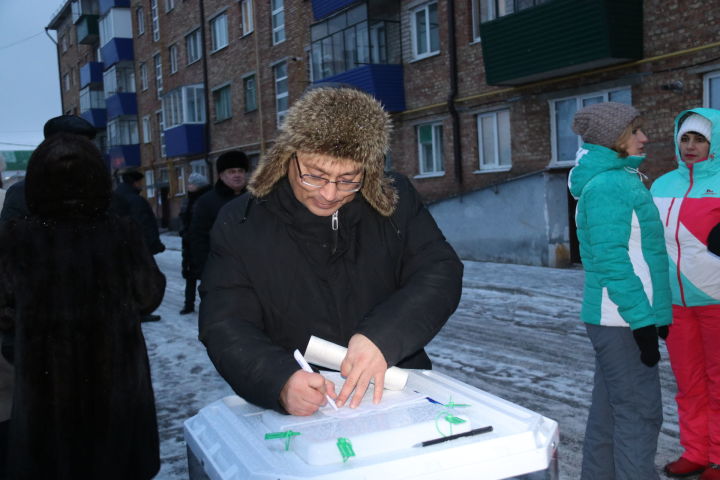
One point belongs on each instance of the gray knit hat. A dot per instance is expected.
(603, 123)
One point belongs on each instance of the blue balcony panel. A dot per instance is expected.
(121, 156)
(96, 116)
(186, 139)
(121, 104)
(106, 5)
(117, 50)
(91, 72)
(384, 82)
(324, 8)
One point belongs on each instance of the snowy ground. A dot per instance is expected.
(516, 334)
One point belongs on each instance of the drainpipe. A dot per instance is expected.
(452, 54)
(258, 90)
(57, 55)
(206, 91)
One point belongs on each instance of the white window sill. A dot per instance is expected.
(504, 168)
(423, 57)
(563, 164)
(430, 175)
(223, 47)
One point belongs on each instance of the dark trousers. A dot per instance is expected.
(190, 290)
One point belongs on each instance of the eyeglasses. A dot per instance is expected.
(319, 182)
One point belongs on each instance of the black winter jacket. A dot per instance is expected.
(127, 201)
(186, 214)
(277, 274)
(204, 214)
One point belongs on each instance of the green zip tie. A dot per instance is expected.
(287, 435)
(345, 448)
(448, 416)
(453, 420)
(453, 405)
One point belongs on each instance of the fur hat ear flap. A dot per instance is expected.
(339, 122)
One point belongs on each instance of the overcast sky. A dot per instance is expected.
(29, 85)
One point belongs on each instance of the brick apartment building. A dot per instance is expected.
(482, 92)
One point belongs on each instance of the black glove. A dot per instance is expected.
(647, 339)
(664, 331)
(713, 241)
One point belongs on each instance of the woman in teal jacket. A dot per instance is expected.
(688, 199)
(627, 293)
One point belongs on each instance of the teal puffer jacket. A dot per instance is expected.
(621, 242)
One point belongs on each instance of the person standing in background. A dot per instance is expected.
(688, 199)
(627, 292)
(197, 186)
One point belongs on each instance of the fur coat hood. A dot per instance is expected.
(340, 122)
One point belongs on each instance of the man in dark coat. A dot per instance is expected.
(232, 168)
(197, 186)
(330, 245)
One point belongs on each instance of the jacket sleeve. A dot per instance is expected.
(143, 214)
(609, 213)
(231, 322)
(148, 280)
(201, 221)
(430, 284)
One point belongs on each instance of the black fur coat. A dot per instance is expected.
(74, 291)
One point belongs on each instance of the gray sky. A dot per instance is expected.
(29, 84)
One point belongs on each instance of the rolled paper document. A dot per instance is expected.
(329, 355)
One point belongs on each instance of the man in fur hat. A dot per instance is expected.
(327, 244)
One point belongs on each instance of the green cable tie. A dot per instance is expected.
(287, 435)
(453, 419)
(345, 448)
(453, 405)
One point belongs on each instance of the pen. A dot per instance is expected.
(469, 433)
(306, 366)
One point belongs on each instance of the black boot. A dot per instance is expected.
(187, 309)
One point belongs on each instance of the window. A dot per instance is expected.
(218, 32)
(150, 183)
(494, 140)
(155, 22)
(116, 23)
(250, 91)
(122, 131)
(486, 10)
(278, 21)
(223, 103)
(192, 45)
(66, 81)
(157, 61)
(430, 149)
(161, 131)
(711, 90)
(147, 129)
(246, 16)
(565, 142)
(143, 77)
(91, 99)
(180, 175)
(140, 17)
(425, 35)
(173, 53)
(64, 43)
(120, 78)
(199, 166)
(169, 5)
(281, 91)
(184, 105)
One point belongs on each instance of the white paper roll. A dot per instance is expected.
(329, 355)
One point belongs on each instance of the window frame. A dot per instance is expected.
(140, 19)
(150, 183)
(414, 31)
(214, 38)
(193, 39)
(496, 165)
(278, 31)
(247, 17)
(157, 66)
(217, 92)
(155, 20)
(279, 96)
(245, 80)
(160, 119)
(169, 5)
(173, 58)
(437, 148)
(708, 96)
(180, 177)
(143, 77)
(146, 129)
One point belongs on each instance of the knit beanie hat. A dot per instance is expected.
(603, 123)
(695, 123)
(69, 124)
(131, 176)
(232, 159)
(340, 122)
(67, 177)
(197, 179)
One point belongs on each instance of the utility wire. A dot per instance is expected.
(18, 144)
(3, 47)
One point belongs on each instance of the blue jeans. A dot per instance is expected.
(626, 411)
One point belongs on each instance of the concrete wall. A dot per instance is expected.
(522, 221)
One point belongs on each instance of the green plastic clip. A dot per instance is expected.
(287, 435)
(345, 448)
(453, 419)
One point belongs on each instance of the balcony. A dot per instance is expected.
(323, 8)
(384, 82)
(121, 156)
(185, 139)
(106, 5)
(561, 37)
(96, 116)
(87, 29)
(117, 50)
(91, 72)
(121, 104)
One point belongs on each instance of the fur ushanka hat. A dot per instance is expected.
(340, 122)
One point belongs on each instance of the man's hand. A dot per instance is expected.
(363, 362)
(304, 393)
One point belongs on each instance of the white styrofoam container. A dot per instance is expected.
(225, 441)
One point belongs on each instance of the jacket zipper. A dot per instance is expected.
(334, 225)
(677, 238)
